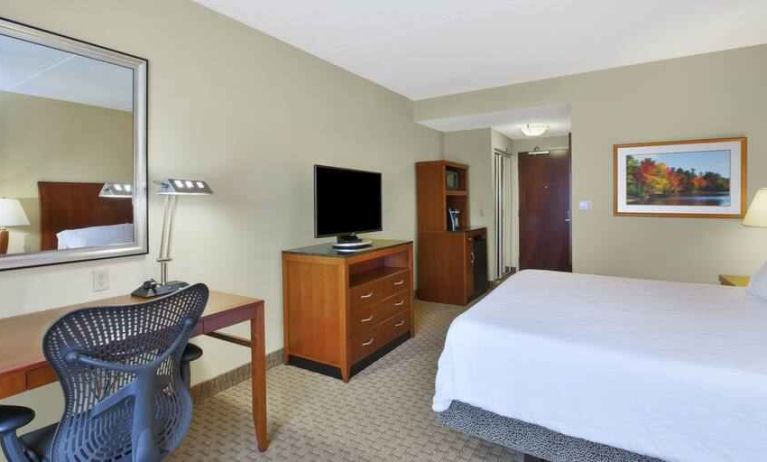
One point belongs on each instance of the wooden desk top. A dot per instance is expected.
(21, 337)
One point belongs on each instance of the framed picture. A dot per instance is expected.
(695, 179)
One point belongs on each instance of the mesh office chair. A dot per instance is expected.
(120, 371)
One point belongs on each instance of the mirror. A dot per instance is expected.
(72, 150)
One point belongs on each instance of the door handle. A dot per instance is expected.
(472, 258)
(400, 303)
(568, 220)
(366, 295)
(400, 324)
(369, 342)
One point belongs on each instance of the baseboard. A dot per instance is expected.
(208, 388)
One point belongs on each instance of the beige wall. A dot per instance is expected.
(474, 148)
(706, 96)
(249, 114)
(43, 139)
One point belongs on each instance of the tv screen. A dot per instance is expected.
(346, 201)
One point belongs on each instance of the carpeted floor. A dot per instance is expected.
(383, 414)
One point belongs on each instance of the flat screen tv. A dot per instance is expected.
(346, 202)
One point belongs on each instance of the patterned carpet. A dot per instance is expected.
(383, 414)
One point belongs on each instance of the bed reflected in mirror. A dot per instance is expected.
(72, 154)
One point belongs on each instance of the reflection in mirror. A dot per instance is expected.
(67, 140)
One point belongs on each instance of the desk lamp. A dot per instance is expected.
(171, 188)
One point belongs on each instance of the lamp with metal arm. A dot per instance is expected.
(171, 189)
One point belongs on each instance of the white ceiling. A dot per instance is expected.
(509, 122)
(36, 70)
(426, 48)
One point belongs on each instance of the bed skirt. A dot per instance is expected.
(531, 439)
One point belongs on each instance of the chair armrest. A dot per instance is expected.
(14, 417)
(191, 352)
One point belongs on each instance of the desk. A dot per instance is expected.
(23, 365)
(732, 280)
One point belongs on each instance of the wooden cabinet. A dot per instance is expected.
(450, 263)
(342, 311)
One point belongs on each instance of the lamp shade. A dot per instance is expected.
(757, 211)
(116, 191)
(12, 214)
(180, 187)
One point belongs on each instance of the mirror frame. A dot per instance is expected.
(140, 67)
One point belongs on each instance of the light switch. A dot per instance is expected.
(584, 205)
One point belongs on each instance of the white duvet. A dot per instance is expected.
(671, 370)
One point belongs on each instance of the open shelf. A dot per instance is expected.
(456, 192)
(373, 274)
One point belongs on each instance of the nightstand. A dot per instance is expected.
(736, 281)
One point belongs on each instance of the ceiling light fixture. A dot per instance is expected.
(534, 129)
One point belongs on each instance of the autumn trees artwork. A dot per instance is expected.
(674, 180)
(704, 178)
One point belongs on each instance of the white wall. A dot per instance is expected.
(249, 114)
(707, 96)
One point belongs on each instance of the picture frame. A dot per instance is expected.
(685, 179)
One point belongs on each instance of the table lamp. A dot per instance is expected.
(757, 211)
(171, 189)
(11, 214)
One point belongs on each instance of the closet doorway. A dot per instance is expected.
(544, 209)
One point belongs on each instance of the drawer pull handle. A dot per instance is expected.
(367, 319)
(400, 324)
(399, 283)
(366, 295)
(369, 342)
(400, 303)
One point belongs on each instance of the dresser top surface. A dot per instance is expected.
(327, 250)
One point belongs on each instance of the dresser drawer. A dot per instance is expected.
(369, 338)
(389, 307)
(366, 294)
(363, 342)
(395, 283)
(392, 328)
(369, 315)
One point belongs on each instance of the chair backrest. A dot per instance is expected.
(119, 368)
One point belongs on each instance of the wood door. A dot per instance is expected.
(544, 211)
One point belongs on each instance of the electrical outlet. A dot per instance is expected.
(100, 279)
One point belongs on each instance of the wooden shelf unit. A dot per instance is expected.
(448, 268)
(343, 311)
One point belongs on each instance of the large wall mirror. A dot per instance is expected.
(73, 161)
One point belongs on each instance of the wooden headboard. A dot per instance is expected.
(77, 205)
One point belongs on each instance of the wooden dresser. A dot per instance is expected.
(342, 311)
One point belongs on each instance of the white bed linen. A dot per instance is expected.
(671, 370)
(95, 236)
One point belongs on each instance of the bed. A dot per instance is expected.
(66, 207)
(673, 371)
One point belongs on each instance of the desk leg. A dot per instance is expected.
(258, 378)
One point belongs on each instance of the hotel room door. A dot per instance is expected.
(544, 210)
